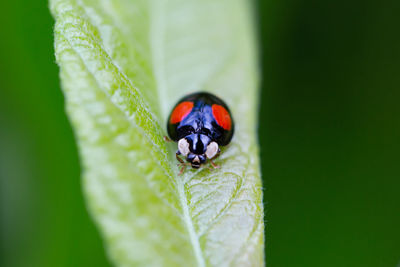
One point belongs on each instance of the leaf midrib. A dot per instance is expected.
(157, 31)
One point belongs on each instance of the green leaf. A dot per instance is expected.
(124, 64)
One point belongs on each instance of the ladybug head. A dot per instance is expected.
(197, 148)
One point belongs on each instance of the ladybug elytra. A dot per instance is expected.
(201, 123)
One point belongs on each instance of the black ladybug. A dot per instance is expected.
(200, 123)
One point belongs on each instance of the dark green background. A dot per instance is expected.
(329, 134)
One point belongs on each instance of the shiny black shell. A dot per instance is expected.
(201, 119)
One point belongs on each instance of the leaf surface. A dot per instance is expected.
(124, 64)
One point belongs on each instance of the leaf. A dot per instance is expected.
(123, 65)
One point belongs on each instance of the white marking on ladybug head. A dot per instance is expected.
(183, 147)
(196, 159)
(212, 150)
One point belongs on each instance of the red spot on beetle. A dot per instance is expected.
(181, 111)
(222, 116)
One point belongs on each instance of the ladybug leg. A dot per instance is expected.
(182, 169)
(166, 139)
(178, 158)
(182, 163)
(215, 166)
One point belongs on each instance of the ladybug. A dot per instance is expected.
(201, 123)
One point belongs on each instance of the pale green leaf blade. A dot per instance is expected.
(123, 65)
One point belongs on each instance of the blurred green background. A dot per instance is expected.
(329, 133)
